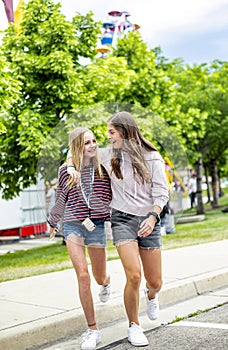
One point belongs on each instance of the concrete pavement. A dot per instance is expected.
(159, 334)
(41, 309)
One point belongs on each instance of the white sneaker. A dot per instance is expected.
(136, 336)
(104, 293)
(90, 339)
(152, 306)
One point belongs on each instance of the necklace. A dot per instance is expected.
(91, 180)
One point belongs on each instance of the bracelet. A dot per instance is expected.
(153, 213)
(70, 166)
(91, 325)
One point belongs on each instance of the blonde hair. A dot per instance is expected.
(76, 146)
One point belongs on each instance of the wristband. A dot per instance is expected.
(70, 166)
(153, 213)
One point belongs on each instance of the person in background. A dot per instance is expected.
(163, 216)
(192, 189)
(85, 208)
(139, 193)
(167, 220)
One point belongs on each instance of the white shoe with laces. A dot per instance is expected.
(104, 294)
(152, 306)
(90, 339)
(136, 336)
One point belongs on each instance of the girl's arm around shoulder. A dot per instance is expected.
(153, 155)
(75, 175)
(105, 154)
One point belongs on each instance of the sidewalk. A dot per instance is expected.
(44, 308)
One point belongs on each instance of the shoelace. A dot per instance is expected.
(105, 290)
(86, 334)
(138, 328)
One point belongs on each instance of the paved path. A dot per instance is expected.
(44, 308)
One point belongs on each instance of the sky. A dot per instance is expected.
(196, 30)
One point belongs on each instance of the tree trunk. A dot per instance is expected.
(214, 183)
(221, 193)
(199, 171)
(208, 184)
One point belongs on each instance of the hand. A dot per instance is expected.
(52, 232)
(75, 175)
(147, 226)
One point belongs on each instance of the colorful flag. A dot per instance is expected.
(9, 10)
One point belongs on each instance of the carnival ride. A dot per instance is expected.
(115, 25)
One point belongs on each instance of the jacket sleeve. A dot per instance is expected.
(62, 190)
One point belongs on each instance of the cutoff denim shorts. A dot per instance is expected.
(96, 237)
(125, 227)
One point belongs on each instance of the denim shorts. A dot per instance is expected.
(125, 227)
(96, 237)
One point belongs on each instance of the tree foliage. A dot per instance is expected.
(9, 91)
(202, 91)
(44, 57)
(150, 86)
(47, 89)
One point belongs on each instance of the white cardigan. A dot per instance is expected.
(130, 195)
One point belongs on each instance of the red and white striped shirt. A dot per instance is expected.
(70, 203)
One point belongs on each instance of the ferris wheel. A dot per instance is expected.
(115, 25)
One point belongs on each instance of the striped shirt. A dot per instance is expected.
(72, 205)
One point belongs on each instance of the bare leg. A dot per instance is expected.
(129, 255)
(76, 251)
(98, 261)
(151, 261)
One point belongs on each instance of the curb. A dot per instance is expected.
(190, 218)
(37, 333)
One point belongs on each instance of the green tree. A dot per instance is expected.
(190, 119)
(215, 143)
(202, 93)
(9, 91)
(44, 55)
(107, 80)
(151, 87)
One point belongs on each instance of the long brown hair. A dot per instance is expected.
(133, 143)
(76, 145)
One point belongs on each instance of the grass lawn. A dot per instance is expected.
(55, 257)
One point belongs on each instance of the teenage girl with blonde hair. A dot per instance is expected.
(85, 208)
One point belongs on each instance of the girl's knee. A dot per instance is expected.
(84, 279)
(135, 278)
(155, 285)
(100, 280)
